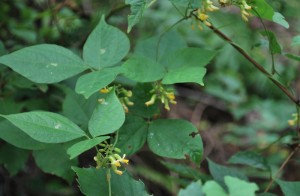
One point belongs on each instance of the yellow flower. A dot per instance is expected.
(118, 172)
(123, 160)
(104, 90)
(151, 101)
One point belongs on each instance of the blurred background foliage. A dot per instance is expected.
(237, 109)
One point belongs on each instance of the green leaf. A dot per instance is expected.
(46, 127)
(188, 3)
(211, 188)
(142, 69)
(107, 117)
(172, 138)
(93, 182)
(105, 46)
(292, 56)
(137, 8)
(18, 138)
(184, 74)
(132, 135)
(186, 65)
(238, 187)
(84, 107)
(45, 63)
(92, 82)
(154, 46)
(279, 19)
(274, 47)
(263, 9)
(185, 171)
(296, 40)
(219, 172)
(250, 158)
(54, 160)
(80, 147)
(193, 189)
(13, 159)
(289, 188)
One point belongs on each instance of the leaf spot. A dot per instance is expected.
(54, 64)
(57, 126)
(102, 50)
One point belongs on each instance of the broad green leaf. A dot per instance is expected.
(249, 158)
(212, 188)
(296, 40)
(46, 127)
(193, 189)
(92, 82)
(238, 187)
(289, 188)
(45, 63)
(132, 135)
(279, 19)
(93, 182)
(156, 48)
(55, 160)
(105, 46)
(107, 117)
(188, 3)
(18, 138)
(9, 106)
(274, 47)
(186, 65)
(84, 107)
(263, 9)
(173, 138)
(80, 147)
(137, 8)
(185, 74)
(142, 69)
(219, 172)
(187, 57)
(13, 159)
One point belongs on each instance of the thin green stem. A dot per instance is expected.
(268, 35)
(108, 177)
(168, 29)
(116, 138)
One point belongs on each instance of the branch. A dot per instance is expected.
(256, 64)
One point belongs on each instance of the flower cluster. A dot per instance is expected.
(245, 8)
(294, 120)
(166, 96)
(207, 6)
(122, 94)
(108, 157)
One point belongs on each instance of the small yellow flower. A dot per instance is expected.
(203, 16)
(104, 90)
(291, 122)
(151, 101)
(118, 172)
(123, 160)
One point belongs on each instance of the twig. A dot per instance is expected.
(256, 64)
(281, 168)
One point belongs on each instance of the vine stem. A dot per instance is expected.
(281, 168)
(256, 64)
